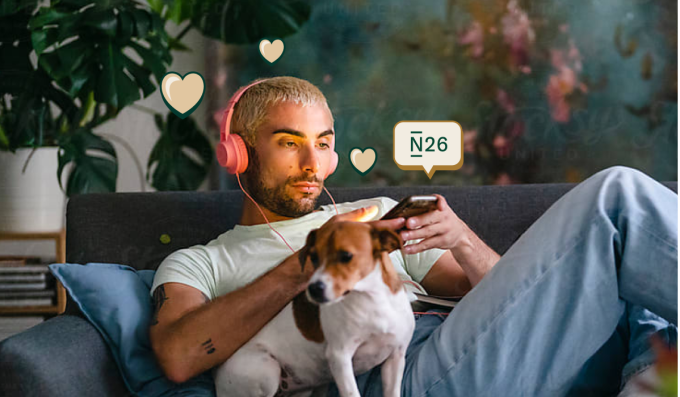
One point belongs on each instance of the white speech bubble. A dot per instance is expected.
(428, 145)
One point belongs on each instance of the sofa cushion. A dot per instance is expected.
(115, 299)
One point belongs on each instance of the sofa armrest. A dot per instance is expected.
(64, 356)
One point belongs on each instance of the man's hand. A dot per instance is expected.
(443, 229)
(440, 228)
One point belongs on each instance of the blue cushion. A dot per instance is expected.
(115, 299)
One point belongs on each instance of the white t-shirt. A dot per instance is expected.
(244, 253)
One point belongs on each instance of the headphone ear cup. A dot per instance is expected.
(232, 154)
(334, 164)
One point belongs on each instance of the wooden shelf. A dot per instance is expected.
(59, 238)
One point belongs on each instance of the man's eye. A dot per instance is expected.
(324, 145)
(289, 144)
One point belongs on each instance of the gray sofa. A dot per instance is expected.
(65, 356)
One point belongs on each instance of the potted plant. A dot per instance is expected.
(72, 65)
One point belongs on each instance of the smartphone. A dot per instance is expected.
(412, 206)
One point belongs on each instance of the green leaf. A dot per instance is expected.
(150, 61)
(4, 141)
(126, 26)
(88, 109)
(169, 166)
(9, 7)
(90, 173)
(28, 120)
(142, 23)
(73, 55)
(249, 21)
(173, 10)
(14, 58)
(94, 58)
(47, 16)
(141, 76)
(103, 21)
(114, 86)
(177, 45)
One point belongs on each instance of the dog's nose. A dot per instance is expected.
(316, 291)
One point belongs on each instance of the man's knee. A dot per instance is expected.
(620, 172)
(620, 179)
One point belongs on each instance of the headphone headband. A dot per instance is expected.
(225, 125)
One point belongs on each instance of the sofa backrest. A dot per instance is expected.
(141, 229)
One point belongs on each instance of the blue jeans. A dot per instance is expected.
(568, 309)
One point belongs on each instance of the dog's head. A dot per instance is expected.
(343, 253)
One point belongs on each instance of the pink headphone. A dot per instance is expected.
(231, 151)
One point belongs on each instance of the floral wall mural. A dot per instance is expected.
(546, 91)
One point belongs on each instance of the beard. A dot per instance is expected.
(276, 199)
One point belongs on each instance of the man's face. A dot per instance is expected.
(293, 147)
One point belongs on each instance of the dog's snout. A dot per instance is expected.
(317, 291)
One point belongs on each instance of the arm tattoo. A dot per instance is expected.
(158, 299)
(208, 346)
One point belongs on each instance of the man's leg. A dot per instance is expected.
(558, 294)
(626, 353)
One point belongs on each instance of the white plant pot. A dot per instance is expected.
(31, 201)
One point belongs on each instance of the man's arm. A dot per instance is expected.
(190, 335)
(474, 256)
(446, 277)
(460, 268)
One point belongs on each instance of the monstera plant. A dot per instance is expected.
(72, 65)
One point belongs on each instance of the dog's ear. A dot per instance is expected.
(304, 252)
(389, 273)
(385, 240)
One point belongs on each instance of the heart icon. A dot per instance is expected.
(182, 95)
(363, 160)
(271, 51)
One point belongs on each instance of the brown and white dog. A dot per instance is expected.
(354, 316)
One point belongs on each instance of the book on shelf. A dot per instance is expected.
(21, 278)
(23, 286)
(26, 302)
(18, 260)
(27, 294)
(25, 269)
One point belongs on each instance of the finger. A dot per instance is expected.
(425, 219)
(441, 202)
(424, 245)
(394, 224)
(424, 232)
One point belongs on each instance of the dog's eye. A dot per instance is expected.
(344, 256)
(314, 257)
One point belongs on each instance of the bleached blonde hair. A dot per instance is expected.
(252, 108)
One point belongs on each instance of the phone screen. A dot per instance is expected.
(412, 206)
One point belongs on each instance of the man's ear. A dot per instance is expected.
(385, 240)
(252, 155)
(304, 252)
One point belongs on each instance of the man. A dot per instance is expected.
(543, 320)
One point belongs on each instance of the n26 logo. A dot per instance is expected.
(428, 145)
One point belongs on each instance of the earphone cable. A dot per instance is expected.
(261, 212)
(265, 217)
